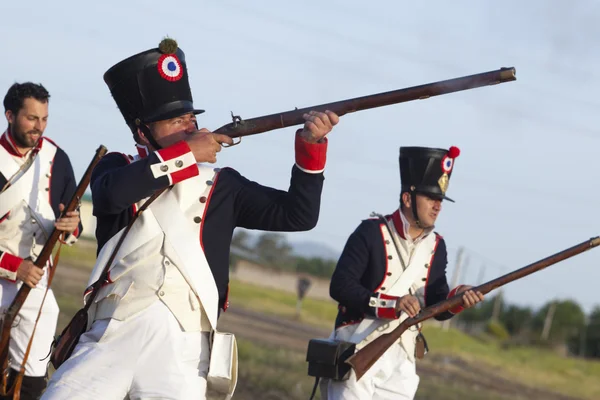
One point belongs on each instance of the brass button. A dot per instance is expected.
(167, 262)
(387, 242)
(389, 274)
(197, 220)
(209, 183)
(164, 168)
(179, 163)
(389, 257)
(382, 288)
(161, 293)
(424, 279)
(203, 199)
(426, 265)
(217, 169)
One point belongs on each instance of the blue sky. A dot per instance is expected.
(525, 183)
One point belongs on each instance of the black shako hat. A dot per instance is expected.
(152, 85)
(427, 170)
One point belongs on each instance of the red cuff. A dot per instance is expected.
(9, 265)
(382, 310)
(310, 157)
(182, 169)
(174, 151)
(458, 308)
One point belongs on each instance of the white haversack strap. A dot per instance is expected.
(223, 369)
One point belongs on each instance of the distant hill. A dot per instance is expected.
(310, 249)
(307, 249)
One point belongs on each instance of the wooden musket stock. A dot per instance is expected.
(364, 358)
(240, 128)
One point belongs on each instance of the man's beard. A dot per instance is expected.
(24, 139)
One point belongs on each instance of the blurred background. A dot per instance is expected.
(524, 184)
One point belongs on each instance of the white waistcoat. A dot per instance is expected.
(397, 284)
(26, 204)
(162, 259)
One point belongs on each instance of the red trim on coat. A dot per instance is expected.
(351, 322)
(437, 241)
(387, 267)
(397, 219)
(5, 216)
(212, 189)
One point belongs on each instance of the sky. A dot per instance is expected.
(525, 184)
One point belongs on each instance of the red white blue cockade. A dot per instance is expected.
(448, 160)
(169, 67)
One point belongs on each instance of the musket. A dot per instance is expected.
(364, 358)
(240, 127)
(14, 308)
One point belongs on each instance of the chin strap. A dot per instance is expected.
(413, 202)
(144, 128)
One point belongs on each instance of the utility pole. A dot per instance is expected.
(497, 306)
(481, 274)
(583, 337)
(548, 321)
(455, 275)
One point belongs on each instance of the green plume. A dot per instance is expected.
(168, 46)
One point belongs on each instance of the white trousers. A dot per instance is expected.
(393, 376)
(22, 328)
(147, 356)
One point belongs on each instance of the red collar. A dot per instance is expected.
(7, 141)
(142, 150)
(399, 224)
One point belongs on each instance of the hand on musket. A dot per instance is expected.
(408, 304)
(69, 222)
(470, 298)
(28, 273)
(318, 125)
(205, 144)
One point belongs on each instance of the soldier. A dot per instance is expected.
(153, 319)
(390, 268)
(36, 181)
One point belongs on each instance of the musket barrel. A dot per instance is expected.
(295, 117)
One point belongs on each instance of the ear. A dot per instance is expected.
(10, 117)
(406, 199)
(142, 138)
